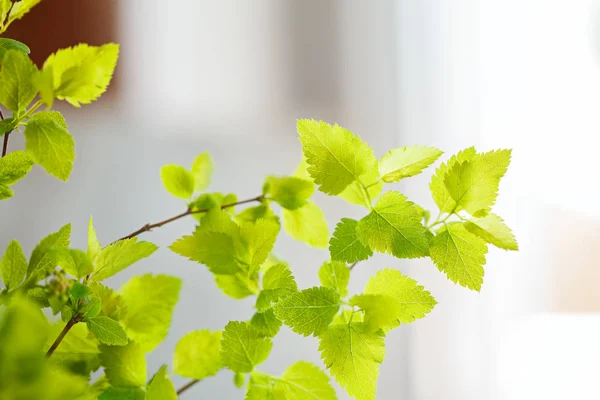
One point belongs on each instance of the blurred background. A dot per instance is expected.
(232, 77)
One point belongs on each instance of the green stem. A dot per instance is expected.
(33, 109)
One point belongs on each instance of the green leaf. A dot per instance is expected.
(111, 301)
(5, 6)
(202, 170)
(80, 74)
(214, 249)
(336, 157)
(266, 323)
(277, 283)
(352, 354)
(5, 192)
(75, 262)
(493, 230)
(259, 238)
(13, 266)
(94, 246)
(237, 286)
(197, 354)
(415, 302)
(210, 201)
(440, 194)
(49, 143)
(77, 347)
(124, 366)
(14, 166)
(290, 192)
(20, 8)
(345, 246)
(161, 387)
(255, 213)
(107, 331)
(335, 275)
(148, 303)
(380, 311)
(395, 227)
(310, 311)
(262, 387)
(177, 180)
(7, 125)
(460, 255)
(113, 393)
(119, 255)
(16, 89)
(239, 380)
(243, 347)
(305, 381)
(307, 224)
(362, 194)
(43, 255)
(7, 44)
(79, 291)
(474, 184)
(407, 161)
(92, 308)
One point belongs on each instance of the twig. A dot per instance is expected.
(187, 386)
(6, 135)
(353, 265)
(74, 319)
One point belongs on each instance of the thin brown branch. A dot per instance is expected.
(74, 320)
(353, 265)
(6, 135)
(149, 227)
(187, 386)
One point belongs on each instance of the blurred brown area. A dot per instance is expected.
(55, 24)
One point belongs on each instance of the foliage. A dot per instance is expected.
(95, 328)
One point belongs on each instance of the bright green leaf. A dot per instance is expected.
(364, 194)
(243, 347)
(7, 44)
(119, 255)
(107, 331)
(259, 239)
(440, 194)
(91, 309)
(239, 380)
(352, 354)
(335, 275)
(460, 255)
(79, 291)
(13, 266)
(49, 143)
(493, 230)
(262, 387)
(290, 192)
(202, 170)
(336, 157)
(305, 381)
(214, 249)
(74, 262)
(310, 311)
(148, 302)
(266, 323)
(113, 393)
(255, 213)
(197, 355)
(16, 89)
(345, 246)
(78, 346)
(5, 192)
(111, 301)
(406, 162)
(415, 302)
(161, 387)
(395, 227)
(20, 8)
(277, 283)
(94, 246)
(237, 286)
(14, 166)
(177, 180)
(124, 366)
(43, 255)
(380, 311)
(307, 224)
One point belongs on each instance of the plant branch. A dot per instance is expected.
(74, 320)
(187, 386)
(5, 146)
(189, 211)
(353, 265)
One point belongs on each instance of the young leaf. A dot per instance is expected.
(82, 73)
(16, 89)
(406, 162)
(352, 354)
(20, 8)
(113, 393)
(7, 125)
(237, 286)
(363, 194)
(335, 275)
(161, 387)
(310, 311)
(336, 157)
(307, 224)
(266, 323)
(14, 166)
(74, 262)
(212, 201)
(5, 192)
(259, 239)
(7, 44)
(239, 380)
(415, 302)
(119, 255)
(394, 226)
(124, 366)
(177, 180)
(460, 255)
(107, 331)
(197, 355)
(380, 311)
(94, 246)
(111, 301)
(78, 291)
(91, 309)
(243, 347)
(440, 194)
(345, 246)
(202, 170)
(474, 184)
(261, 387)
(49, 143)
(305, 381)
(277, 283)
(214, 249)
(493, 230)
(148, 306)
(252, 214)
(43, 256)
(13, 265)
(290, 192)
